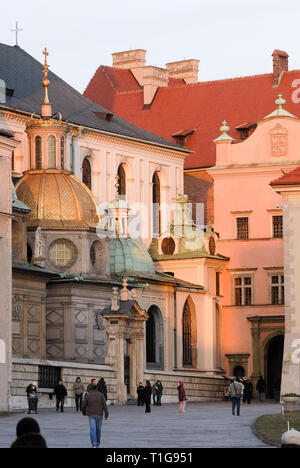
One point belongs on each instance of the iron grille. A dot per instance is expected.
(49, 376)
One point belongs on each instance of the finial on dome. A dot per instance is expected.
(280, 101)
(46, 106)
(280, 112)
(224, 129)
(224, 137)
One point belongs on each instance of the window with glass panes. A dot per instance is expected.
(277, 227)
(243, 290)
(242, 228)
(277, 289)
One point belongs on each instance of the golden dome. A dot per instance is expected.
(58, 200)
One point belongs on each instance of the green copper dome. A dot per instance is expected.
(128, 255)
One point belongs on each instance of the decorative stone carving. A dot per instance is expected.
(279, 141)
(38, 244)
(17, 307)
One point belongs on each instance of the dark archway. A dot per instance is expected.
(239, 371)
(87, 173)
(155, 339)
(274, 358)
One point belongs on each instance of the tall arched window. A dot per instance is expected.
(151, 338)
(155, 339)
(187, 335)
(38, 152)
(122, 181)
(51, 152)
(87, 173)
(156, 206)
(62, 152)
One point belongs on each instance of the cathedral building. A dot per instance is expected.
(230, 174)
(83, 295)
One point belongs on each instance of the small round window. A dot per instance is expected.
(61, 253)
(168, 246)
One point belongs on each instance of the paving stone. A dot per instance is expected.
(207, 424)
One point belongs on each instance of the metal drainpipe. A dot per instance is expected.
(175, 328)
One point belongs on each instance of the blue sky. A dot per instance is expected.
(230, 37)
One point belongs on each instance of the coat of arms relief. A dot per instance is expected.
(279, 141)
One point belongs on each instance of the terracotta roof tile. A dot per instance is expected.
(291, 178)
(202, 106)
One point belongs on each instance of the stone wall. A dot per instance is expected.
(198, 387)
(26, 371)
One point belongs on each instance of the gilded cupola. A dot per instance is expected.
(57, 199)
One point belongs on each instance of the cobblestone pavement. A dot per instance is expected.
(203, 425)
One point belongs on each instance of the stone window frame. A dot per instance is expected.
(243, 274)
(241, 214)
(272, 273)
(74, 254)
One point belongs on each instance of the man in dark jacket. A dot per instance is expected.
(60, 392)
(261, 387)
(102, 388)
(147, 396)
(94, 406)
(140, 393)
(160, 390)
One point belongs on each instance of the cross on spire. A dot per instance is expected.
(17, 30)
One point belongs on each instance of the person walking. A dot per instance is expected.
(182, 397)
(160, 390)
(60, 392)
(154, 393)
(236, 390)
(248, 392)
(140, 393)
(78, 389)
(147, 396)
(93, 382)
(94, 406)
(32, 398)
(102, 388)
(261, 387)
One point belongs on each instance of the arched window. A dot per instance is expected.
(168, 246)
(187, 335)
(87, 173)
(51, 152)
(62, 152)
(156, 206)
(122, 181)
(151, 338)
(155, 339)
(38, 152)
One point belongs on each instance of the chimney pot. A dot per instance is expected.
(186, 70)
(133, 60)
(280, 65)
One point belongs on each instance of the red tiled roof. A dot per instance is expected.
(291, 178)
(202, 106)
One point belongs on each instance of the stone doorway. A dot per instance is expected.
(273, 365)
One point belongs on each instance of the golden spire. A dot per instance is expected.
(46, 106)
(46, 82)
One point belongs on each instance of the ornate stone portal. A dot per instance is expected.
(125, 341)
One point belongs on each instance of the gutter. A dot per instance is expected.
(103, 132)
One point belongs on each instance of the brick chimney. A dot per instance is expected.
(186, 70)
(280, 65)
(153, 78)
(133, 60)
